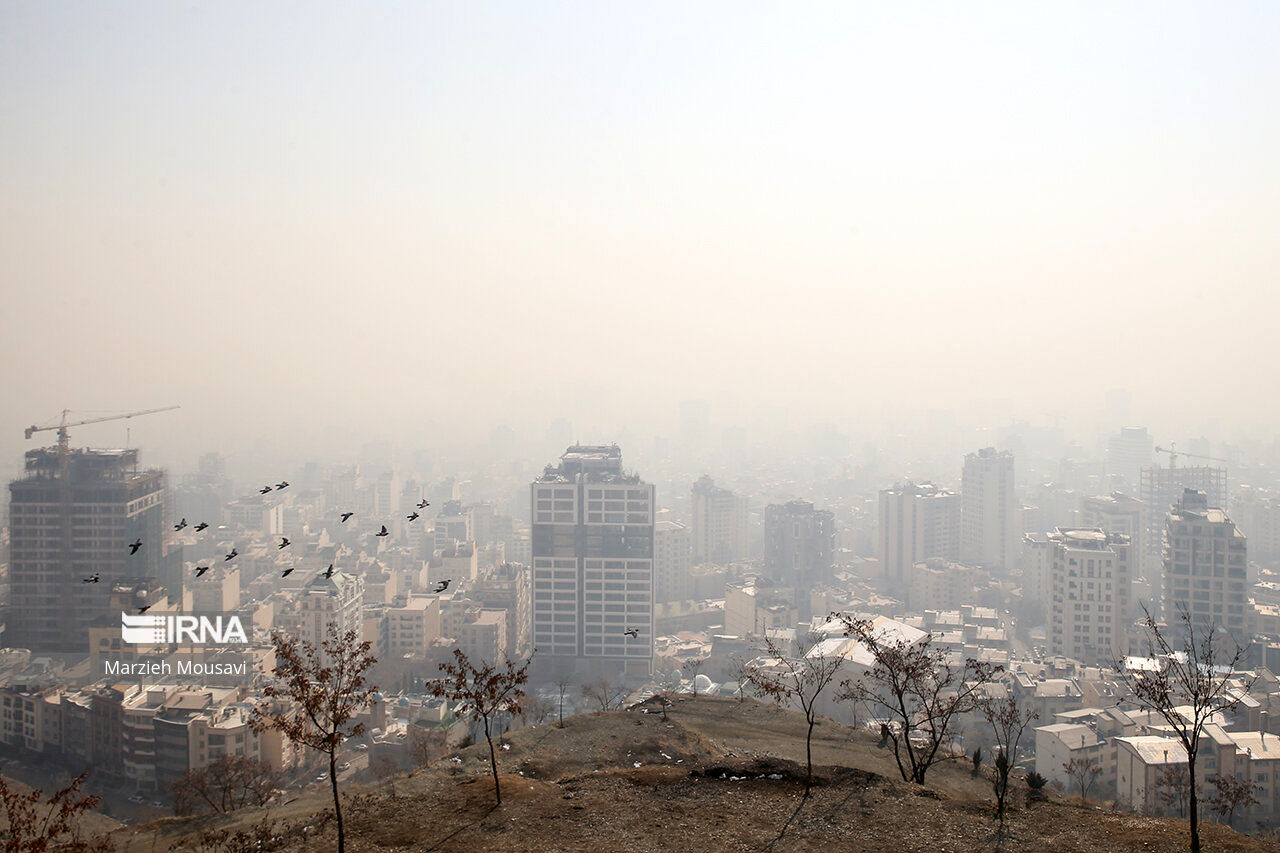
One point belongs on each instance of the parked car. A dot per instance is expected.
(346, 765)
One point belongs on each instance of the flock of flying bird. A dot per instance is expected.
(441, 586)
(136, 545)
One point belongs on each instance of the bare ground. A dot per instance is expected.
(718, 775)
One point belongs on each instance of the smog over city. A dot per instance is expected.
(553, 426)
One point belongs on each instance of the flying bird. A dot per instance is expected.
(201, 526)
(444, 584)
(234, 553)
(283, 484)
(413, 516)
(632, 632)
(346, 515)
(134, 546)
(264, 490)
(382, 532)
(200, 570)
(329, 571)
(286, 572)
(93, 578)
(423, 504)
(284, 542)
(180, 524)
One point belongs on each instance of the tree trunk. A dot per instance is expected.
(1193, 805)
(808, 758)
(337, 805)
(493, 762)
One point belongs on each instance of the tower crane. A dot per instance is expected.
(64, 442)
(1173, 452)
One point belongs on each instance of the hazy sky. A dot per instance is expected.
(291, 216)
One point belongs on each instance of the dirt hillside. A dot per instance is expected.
(717, 775)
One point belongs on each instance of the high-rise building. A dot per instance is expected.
(1128, 452)
(800, 544)
(719, 523)
(1206, 566)
(918, 521)
(1117, 513)
(1089, 580)
(71, 517)
(1257, 514)
(672, 546)
(1162, 488)
(332, 600)
(990, 528)
(593, 579)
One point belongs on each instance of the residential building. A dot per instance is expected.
(336, 600)
(413, 626)
(719, 529)
(1117, 513)
(1089, 572)
(672, 561)
(1206, 565)
(918, 522)
(1162, 488)
(800, 544)
(1128, 452)
(508, 587)
(990, 527)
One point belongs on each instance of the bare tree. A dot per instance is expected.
(227, 783)
(1173, 781)
(425, 745)
(605, 692)
(1084, 772)
(1193, 683)
(562, 689)
(485, 691)
(316, 695)
(535, 711)
(741, 673)
(918, 689)
(800, 679)
(35, 824)
(1231, 794)
(1009, 722)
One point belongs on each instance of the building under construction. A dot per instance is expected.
(72, 516)
(1162, 489)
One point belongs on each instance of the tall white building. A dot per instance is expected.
(1118, 513)
(593, 572)
(672, 550)
(1128, 452)
(990, 527)
(1206, 566)
(1089, 574)
(917, 522)
(337, 600)
(719, 529)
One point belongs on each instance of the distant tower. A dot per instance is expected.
(917, 522)
(593, 572)
(719, 523)
(989, 526)
(1128, 452)
(800, 544)
(69, 523)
